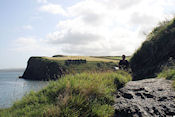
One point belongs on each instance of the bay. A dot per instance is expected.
(12, 88)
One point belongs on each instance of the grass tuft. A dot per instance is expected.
(169, 74)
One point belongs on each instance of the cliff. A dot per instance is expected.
(39, 68)
(159, 46)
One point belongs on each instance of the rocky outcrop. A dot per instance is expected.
(146, 98)
(39, 68)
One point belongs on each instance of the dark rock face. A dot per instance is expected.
(146, 98)
(40, 69)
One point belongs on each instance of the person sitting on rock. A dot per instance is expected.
(123, 64)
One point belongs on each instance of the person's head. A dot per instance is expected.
(123, 57)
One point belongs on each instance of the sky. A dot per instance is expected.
(76, 27)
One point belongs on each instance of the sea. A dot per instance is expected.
(13, 88)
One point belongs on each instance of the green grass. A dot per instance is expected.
(169, 74)
(155, 51)
(88, 58)
(80, 95)
(117, 58)
(92, 65)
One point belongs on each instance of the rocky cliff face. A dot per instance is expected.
(146, 98)
(42, 69)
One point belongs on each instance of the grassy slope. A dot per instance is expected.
(88, 58)
(155, 51)
(117, 58)
(93, 64)
(84, 94)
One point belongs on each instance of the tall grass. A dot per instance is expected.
(168, 71)
(80, 95)
(169, 74)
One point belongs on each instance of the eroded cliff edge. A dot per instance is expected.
(43, 69)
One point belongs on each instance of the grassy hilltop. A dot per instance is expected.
(52, 68)
(94, 63)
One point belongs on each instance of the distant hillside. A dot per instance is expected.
(52, 68)
(155, 51)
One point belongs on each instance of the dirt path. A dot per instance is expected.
(146, 98)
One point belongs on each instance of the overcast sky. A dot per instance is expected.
(76, 27)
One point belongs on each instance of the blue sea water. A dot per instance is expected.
(12, 88)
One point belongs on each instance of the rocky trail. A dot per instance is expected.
(146, 98)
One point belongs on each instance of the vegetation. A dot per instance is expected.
(168, 74)
(85, 94)
(168, 71)
(92, 64)
(117, 58)
(155, 51)
(88, 58)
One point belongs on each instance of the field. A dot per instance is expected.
(93, 64)
(88, 58)
(117, 58)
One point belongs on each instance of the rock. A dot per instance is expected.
(39, 68)
(146, 98)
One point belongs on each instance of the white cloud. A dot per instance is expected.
(53, 9)
(33, 46)
(71, 37)
(105, 27)
(27, 27)
(26, 43)
(42, 1)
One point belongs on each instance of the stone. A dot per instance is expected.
(146, 98)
